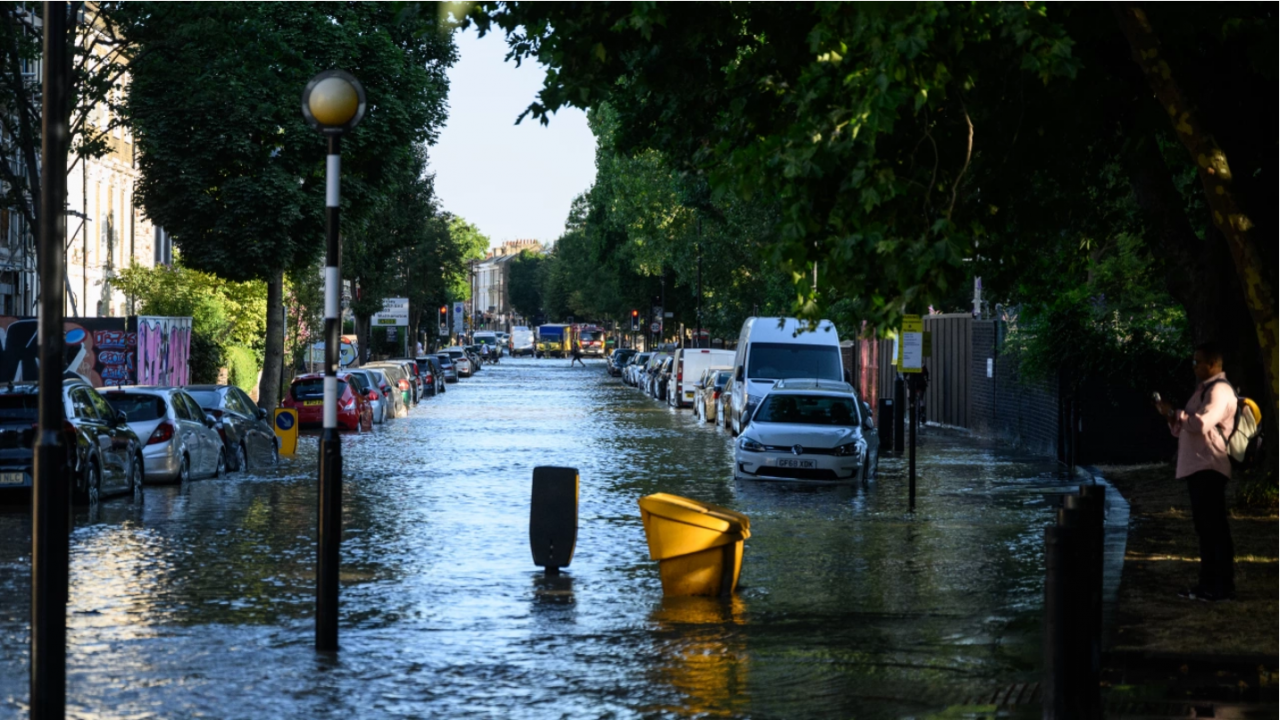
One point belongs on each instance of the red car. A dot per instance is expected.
(306, 395)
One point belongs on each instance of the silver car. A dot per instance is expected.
(368, 385)
(179, 439)
(385, 379)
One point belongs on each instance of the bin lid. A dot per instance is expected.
(697, 513)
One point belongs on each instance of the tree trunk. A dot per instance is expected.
(273, 357)
(1227, 215)
(364, 338)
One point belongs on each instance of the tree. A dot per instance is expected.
(471, 245)
(225, 316)
(524, 284)
(228, 165)
(911, 146)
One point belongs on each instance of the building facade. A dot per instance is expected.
(492, 304)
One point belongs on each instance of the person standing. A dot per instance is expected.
(1202, 429)
(577, 355)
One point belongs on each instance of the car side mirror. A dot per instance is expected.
(122, 418)
(737, 374)
(210, 420)
(868, 423)
(262, 413)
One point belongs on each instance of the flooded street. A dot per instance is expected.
(199, 603)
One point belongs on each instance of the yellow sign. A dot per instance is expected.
(912, 344)
(286, 427)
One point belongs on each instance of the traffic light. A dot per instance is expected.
(635, 320)
(444, 314)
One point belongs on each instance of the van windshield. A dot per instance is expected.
(778, 361)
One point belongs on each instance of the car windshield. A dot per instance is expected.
(19, 406)
(208, 399)
(139, 407)
(359, 381)
(722, 378)
(777, 361)
(313, 389)
(807, 410)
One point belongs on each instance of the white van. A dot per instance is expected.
(521, 340)
(772, 349)
(689, 366)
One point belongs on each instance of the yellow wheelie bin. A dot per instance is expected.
(698, 545)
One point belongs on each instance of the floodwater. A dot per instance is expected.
(199, 602)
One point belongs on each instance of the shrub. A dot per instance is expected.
(242, 367)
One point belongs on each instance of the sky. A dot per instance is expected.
(511, 181)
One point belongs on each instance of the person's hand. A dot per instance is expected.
(1164, 407)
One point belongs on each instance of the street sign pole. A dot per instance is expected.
(911, 362)
(50, 501)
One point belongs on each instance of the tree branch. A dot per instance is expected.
(968, 155)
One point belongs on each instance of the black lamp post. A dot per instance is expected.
(50, 501)
(333, 103)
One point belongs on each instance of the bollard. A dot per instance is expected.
(553, 517)
(1092, 501)
(885, 422)
(1070, 689)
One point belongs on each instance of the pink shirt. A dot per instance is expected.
(1203, 427)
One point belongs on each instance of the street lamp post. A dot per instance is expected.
(333, 103)
(50, 501)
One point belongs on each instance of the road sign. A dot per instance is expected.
(286, 427)
(459, 315)
(395, 312)
(656, 327)
(912, 344)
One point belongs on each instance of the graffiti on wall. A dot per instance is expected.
(105, 352)
(164, 347)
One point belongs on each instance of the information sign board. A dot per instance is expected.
(395, 312)
(912, 344)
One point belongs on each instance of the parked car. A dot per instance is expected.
(690, 363)
(432, 377)
(391, 390)
(651, 368)
(248, 437)
(398, 379)
(473, 354)
(460, 360)
(708, 390)
(662, 379)
(306, 395)
(179, 438)
(410, 368)
(619, 359)
(105, 453)
(448, 368)
(366, 384)
(631, 372)
(811, 430)
(772, 349)
(722, 410)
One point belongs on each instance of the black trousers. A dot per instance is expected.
(1209, 514)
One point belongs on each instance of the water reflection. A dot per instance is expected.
(704, 654)
(199, 602)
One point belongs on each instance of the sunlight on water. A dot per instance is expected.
(199, 603)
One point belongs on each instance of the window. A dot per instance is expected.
(247, 405)
(808, 410)
(778, 361)
(82, 405)
(101, 405)
(138, 407)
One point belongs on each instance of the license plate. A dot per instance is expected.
(13, 478)
(310, 403)
(801, 464)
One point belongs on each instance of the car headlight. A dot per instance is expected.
(750, 445)
(850, 449)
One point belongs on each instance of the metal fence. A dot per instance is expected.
(950, 366)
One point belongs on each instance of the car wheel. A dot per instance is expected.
(184, 469)
(242, 458)
(275, 453)
(135, 478)
(92, 484)
(221, 469)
